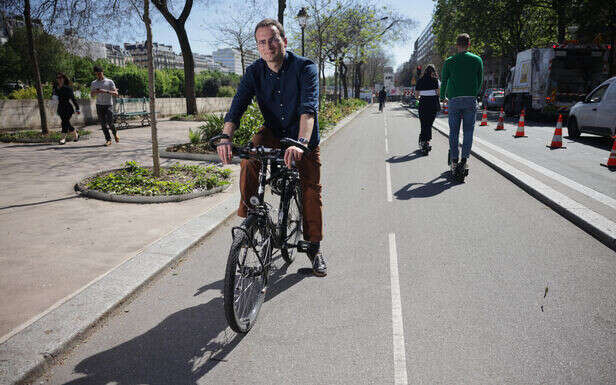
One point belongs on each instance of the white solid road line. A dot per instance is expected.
(388, 176)
(386, 143)
(400, 377)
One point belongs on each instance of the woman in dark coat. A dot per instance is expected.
(65, 109)
(427, 89)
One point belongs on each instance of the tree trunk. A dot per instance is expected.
(343, 78)
(282, 4)
(152, 88)
(357, 80)
(178, 26)
(336, 82)
(35, 64)
(189, 71)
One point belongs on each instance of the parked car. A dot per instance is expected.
(596, 114)
(493, 98)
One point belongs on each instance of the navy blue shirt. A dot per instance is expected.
(282, 96)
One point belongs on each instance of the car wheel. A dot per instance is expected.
(572, 128)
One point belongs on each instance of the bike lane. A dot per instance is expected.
(310, 330)
(472, 260)
(495, 286)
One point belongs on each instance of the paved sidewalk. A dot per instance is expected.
(54, 241)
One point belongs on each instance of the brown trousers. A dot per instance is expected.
(309, 168)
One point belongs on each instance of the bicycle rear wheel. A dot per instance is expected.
(244, 290)
(292, 227)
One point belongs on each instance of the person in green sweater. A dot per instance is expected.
(461, 81)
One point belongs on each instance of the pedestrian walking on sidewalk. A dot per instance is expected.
(382, 98)
(427, 90)
(286, 86)
(63, 91)
(462, 77)
(104, 90)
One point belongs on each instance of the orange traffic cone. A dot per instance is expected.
(484, 118)
(501, 121)
(557, 139)
(445, 108)
(520, 132)
(611, 161)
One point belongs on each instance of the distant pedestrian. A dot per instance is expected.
(62, 89)
(104, 89)
(382, 98)
(462, 78)
(427, 90)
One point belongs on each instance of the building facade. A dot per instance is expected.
(162, 55)
(207, 63)
(231, 58)
(425, 46)
(117, 55)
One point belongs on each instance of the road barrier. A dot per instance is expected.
(557, 139)
(520, 132)
(501, 121)
(611, 161)
(484, 118)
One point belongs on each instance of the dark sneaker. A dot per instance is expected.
(454, 165)
(463, 167)
(319, 268)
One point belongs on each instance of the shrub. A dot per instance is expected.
(226, 92)
(212, 127)
(30, 92)
(211, 86)
(194, 136)
(251, 122)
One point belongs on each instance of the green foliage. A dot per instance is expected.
(226, 92)
(31, 136)
(212, 127)
(178, 179)
(331, 113)
(499, 28)
(51, 53)
(194, 136)
(132, 81)
(251, 122)
(210, 87)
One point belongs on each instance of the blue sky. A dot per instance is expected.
(420, 10)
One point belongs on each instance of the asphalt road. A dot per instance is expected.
(429, 282)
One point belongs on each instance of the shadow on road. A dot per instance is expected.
(179, 350)
(39, 203)
(426, 190)
(69, 147)
(599, 142)
(406, 158)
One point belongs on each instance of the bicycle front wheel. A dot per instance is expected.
(292, 227)
(245, 284)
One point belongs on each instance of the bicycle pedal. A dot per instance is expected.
(302, 246)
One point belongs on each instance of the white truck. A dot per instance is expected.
(548, 81)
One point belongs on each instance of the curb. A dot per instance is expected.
(590, 221)
(29, 351)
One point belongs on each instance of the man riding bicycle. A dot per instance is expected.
(286, 86)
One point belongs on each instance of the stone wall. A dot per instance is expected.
(21, 114)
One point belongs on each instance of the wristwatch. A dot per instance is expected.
(303, 141)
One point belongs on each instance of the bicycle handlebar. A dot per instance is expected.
(258, 151)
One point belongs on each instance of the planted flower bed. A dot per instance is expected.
(178, 182)
(32, 136)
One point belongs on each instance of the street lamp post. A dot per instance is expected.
(302, 17)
